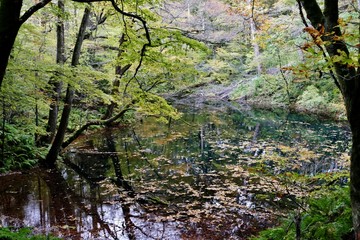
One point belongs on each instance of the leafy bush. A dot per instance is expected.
(327, 217)
(311, 99)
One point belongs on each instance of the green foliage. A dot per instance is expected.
(268, 89)
(322, 99)
(312, 99)
(328, 216)
(22, 234)
(19, 149)
(26, 93)
(153, 105)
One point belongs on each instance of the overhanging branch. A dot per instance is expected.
(147, 34)
(94, 123)
(143, 49)
(32, 10)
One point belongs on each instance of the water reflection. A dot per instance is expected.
(211, 175)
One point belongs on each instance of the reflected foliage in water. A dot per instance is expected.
(211, 175)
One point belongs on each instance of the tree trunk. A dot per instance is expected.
(256, 47)
(119, 72)
(353, 107)
(348, 82)
(9, 28)
(10, 23)
(60, 59)
(59, 138)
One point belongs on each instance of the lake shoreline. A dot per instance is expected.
(212, 93)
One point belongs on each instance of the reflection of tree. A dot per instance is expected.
(120, 181)
(126, 200)
(204, 165)
(61, 209)
(14, 191)
(65, 205)
(137, 140)
(89, 163)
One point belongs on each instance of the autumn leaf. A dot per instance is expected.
(313, 32)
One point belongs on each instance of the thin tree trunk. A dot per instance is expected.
(256, 47)
(59, 138)
(60, 59)
(119, 72)
(298, 226)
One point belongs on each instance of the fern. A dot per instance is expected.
(328, 217)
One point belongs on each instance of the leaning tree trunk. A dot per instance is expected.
(9, 28)
(10, 23)
(348, 82)
(54, 151)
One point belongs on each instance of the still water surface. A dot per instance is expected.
(213, 174)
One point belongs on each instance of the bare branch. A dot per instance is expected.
(147, 34)
(302, 14)
(116, 7)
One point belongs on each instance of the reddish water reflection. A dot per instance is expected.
(45, 201)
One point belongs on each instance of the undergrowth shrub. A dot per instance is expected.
(327, 217)
(18, 150)
(311, 99)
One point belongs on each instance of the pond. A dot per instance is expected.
(217, 173)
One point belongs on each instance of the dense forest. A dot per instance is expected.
(72, 69)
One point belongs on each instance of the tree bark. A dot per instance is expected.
(9, 28)
(349, 84)
(10, 23)
(60, 59)
(54, 151)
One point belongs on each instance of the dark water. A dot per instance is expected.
(214, 174)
